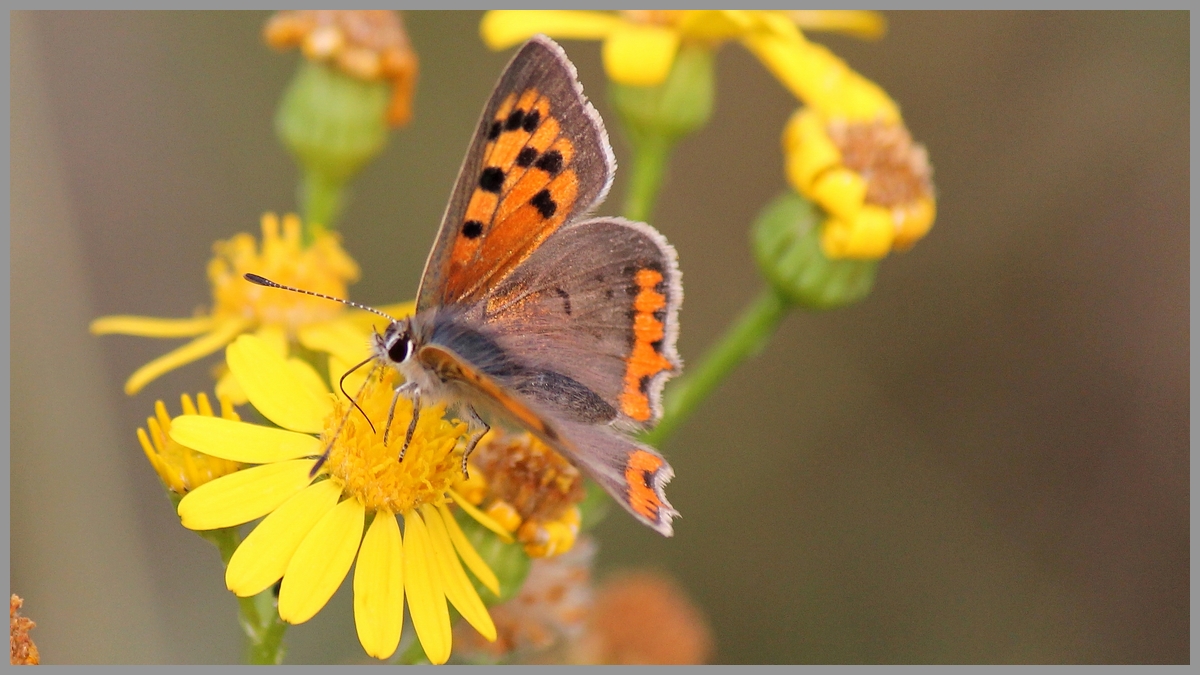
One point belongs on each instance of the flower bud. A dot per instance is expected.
(679, 106)
(333, 124)
(787, 244)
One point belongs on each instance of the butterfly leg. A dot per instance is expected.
(412, 426)
(476, 422)
(407, 389)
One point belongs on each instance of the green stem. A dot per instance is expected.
(742, 340)
(257, 615)
(651, 152)
(321, 202)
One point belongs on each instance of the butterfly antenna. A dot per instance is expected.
(342, 386)
(338, 432)
(263, 281)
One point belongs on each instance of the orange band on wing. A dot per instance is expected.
(639, 474)
(645, 361)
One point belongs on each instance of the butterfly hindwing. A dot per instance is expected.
(540, 157)
(632, 473)
(596, 304)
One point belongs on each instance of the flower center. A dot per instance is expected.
(322, 267)
(896, 169)
(372, 472)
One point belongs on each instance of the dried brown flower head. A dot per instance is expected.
(366, 44)
(529, 489)
(22, 651)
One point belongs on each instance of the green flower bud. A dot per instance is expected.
(788, 248)
(333, 124)
(508, 561)
(679, 106)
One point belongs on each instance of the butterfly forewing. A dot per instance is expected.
(539, 158)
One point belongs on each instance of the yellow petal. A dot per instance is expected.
(423, 588)
(503, 28)
(467, 553)
(397, 311)
(321, 562)
(242, 441)
(858, 23)
(262, 558)
(379, 587)
(274, 389)
(243, 495)
(481, 517)
(275, 337)
(228, 388)
(914, 222)
(149, 326)
(840, 191)
(340, 338)
(192, 351)
(458, 587)
(868, 237)
(368, 322)
(714, 25)
(308, 376)
(810, 151)
(640, 55)
(820, 79)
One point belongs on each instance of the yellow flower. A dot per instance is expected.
(182, 469)
(869, 177)
(365, 44)
(640, 45)
(313, 525)
(849, 151)
(240, 306)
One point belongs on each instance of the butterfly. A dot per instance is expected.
(533, 315)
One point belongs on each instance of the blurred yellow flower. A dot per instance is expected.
(313, 526)
(873, 182)
(640, 45)
(849, 151)
(241, 307)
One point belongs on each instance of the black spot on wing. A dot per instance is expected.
(515, 119)
(472, 229)
(551, 162)
(493, 131)
(531, 121)
(525, 157)
(544, 203)
(491, 179)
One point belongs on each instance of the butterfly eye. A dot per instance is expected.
(401, 349)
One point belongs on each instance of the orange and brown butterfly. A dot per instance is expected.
(530, 315)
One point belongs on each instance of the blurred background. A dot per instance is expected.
(984, 462)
